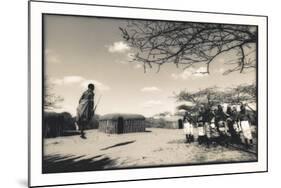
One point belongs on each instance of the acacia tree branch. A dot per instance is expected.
(159, 42)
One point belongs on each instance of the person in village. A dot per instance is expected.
(244, 121)
(188, 127)
(208, 116)
(220, 118)
(236, 126)
(200, 125)
(85, 110)
(230, 122)
(213, 128)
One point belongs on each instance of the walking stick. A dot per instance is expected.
(96, 105)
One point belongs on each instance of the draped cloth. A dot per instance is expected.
(208, 129)
(214, 131)
(223, 128)
(85, 107)
(188, 128)
(246, 129)
(237, 127)
(201, 129)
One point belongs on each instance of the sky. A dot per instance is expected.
(83, 50)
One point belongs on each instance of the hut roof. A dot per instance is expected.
(173, 118)
(115, 116)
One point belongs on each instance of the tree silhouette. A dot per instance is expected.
(188, 44)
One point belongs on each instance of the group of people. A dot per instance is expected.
(216, 126)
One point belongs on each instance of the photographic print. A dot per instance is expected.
(147, 93)
(121, 93)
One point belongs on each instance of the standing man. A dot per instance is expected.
(85, 110)
(214, 129)
(200, 125)
(230, 123)
(220, 118)
(244, 119)
(208, 117)
(188, 127)
(236, 126)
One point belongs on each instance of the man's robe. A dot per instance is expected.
(85, 107)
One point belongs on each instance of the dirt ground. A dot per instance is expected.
(156, 147)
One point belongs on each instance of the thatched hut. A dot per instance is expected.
(56, 124)
(121, 123)
(174, 122)
(63, 124)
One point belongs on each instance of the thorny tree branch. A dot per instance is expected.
(187, 44)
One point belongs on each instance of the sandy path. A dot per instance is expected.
(153, 148)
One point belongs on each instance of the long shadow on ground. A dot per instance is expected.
(119, 144)
(70, 163)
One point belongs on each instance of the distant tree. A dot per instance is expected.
(207, 97)
(163, 114)
(245, 93)
(188, 108)
(51, 100)
(185, 107)
(187, 43)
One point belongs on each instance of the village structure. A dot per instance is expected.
(121, 123)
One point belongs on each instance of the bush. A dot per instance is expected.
(157, 123)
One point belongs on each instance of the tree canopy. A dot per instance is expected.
(245, 93)
(188, 43)
(207, 97)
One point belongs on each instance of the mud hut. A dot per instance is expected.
(174, 122)
(122, 123)
(56, 124)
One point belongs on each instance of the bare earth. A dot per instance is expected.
(156, 147)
